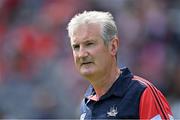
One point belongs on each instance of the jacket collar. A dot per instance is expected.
(118, 88)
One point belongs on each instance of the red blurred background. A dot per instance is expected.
(37, 74)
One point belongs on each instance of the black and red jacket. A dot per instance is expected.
(130, 97)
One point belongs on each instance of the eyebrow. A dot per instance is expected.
(88, 40)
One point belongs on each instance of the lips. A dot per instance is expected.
(86, 63)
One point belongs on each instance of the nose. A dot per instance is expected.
(83, 52)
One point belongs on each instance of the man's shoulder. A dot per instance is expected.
(136, 88)
(130, 84)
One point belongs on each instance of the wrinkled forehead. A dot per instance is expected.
(86, 31)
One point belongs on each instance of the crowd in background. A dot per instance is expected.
(37, 74)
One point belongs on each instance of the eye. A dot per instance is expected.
(75, 47)
(89, 44)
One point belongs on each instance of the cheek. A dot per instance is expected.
(103, 58)
(76, 60)
(74, 57)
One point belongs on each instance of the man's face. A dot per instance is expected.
(91, 55)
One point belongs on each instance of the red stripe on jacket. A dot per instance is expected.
(152, 102)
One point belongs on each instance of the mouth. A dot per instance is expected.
(86, 63)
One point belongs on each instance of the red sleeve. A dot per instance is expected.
(149, 108)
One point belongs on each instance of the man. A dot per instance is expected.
(114, 93)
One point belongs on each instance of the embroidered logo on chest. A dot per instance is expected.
(82, 116)
(112, 112)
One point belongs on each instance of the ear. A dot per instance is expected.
(114, 45)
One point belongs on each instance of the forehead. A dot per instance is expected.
(86, 32)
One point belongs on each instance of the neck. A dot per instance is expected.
(103, 83)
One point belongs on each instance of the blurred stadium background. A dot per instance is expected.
(37, 74)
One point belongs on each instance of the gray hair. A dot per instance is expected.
(105, 19)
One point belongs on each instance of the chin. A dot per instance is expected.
(86, 73)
